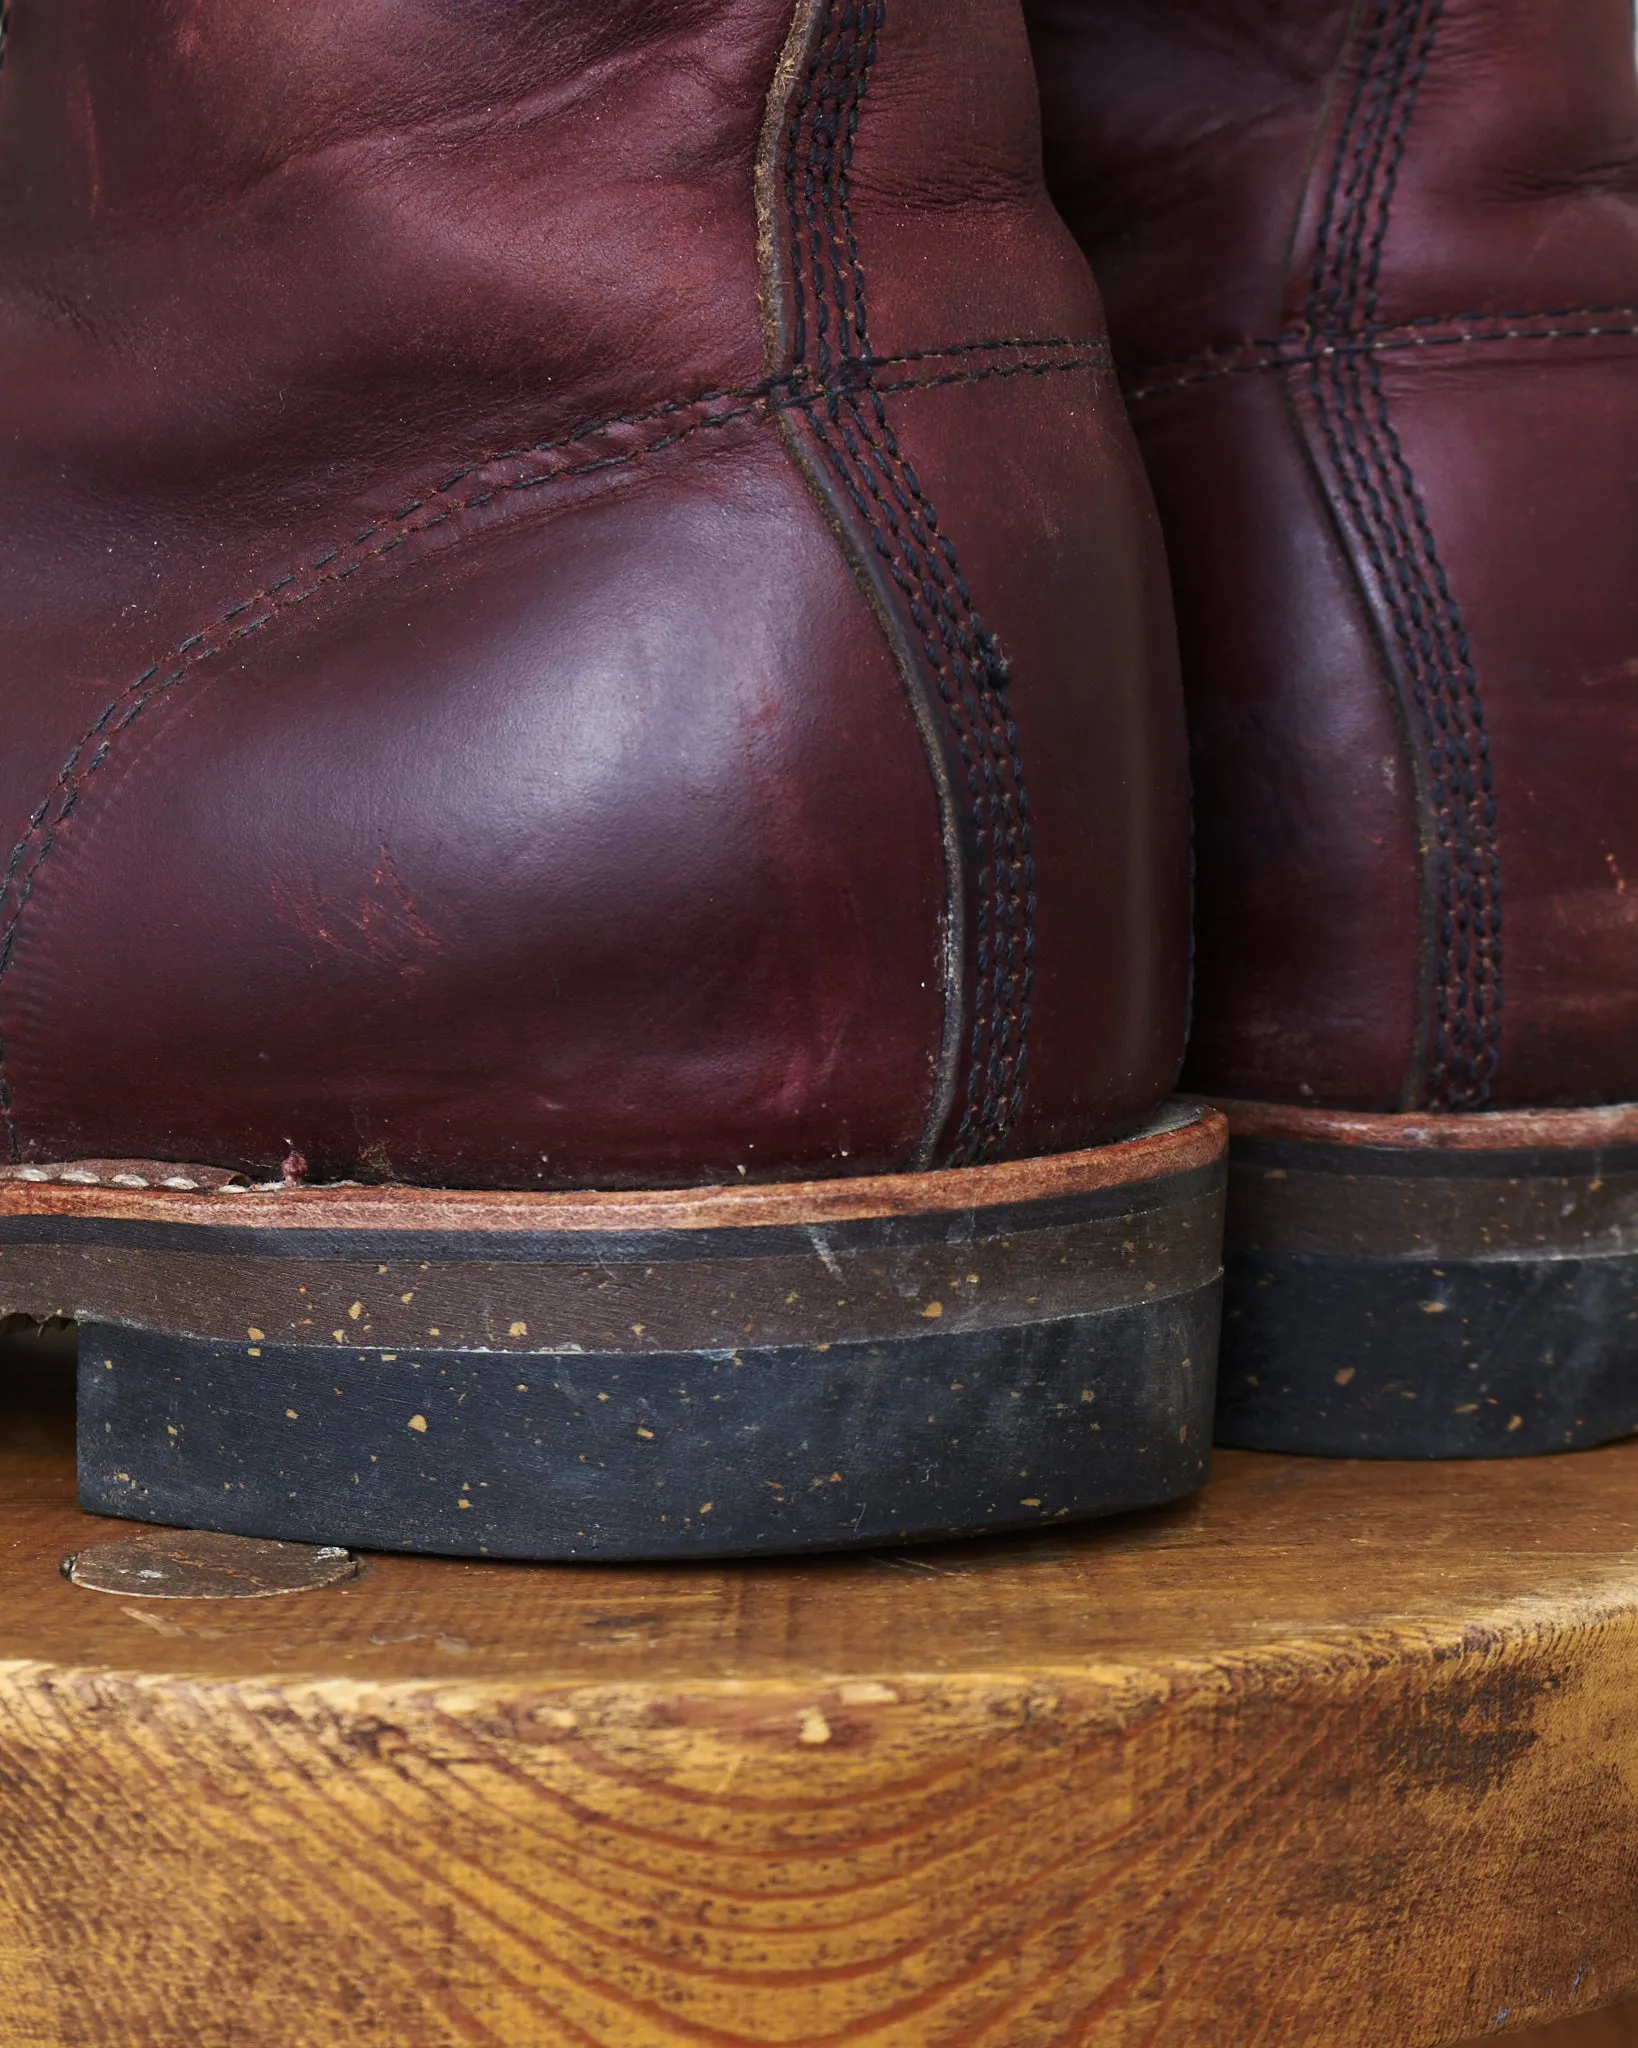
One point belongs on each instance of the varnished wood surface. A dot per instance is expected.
(1339, 1754)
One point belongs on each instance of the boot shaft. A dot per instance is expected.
(1467, 155)
(249, 223)
(233, 310)
(1372, 274)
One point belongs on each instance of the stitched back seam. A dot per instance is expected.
(1427, 640)
(1468, 989)
(571, 456)
(1359, 439)
(857, 446)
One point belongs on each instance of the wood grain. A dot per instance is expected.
(1337, 1754)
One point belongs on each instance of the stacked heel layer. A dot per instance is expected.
(738, 1371)
(1430, 1287)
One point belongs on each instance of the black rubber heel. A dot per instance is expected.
(675, 1374)
(1430, 1287)
(654, 1454)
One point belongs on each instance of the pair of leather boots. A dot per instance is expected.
(596, 938)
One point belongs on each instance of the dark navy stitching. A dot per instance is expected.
(711, 411)
(854, 434)
(1299, 347)
(1386, 509)
(1340, 345)
(1468, 994)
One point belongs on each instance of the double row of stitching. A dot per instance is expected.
(856, 445)
(1337, 353)
(1426, 642)
(1303, 345)
(613, 442)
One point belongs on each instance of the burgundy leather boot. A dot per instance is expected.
(1372, 276)
(595, 783)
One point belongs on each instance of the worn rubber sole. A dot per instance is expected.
(1430, 1287)
(638, 1375)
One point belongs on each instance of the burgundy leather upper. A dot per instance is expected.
(579, 605)
(1372, 275)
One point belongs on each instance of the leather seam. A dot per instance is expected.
(1354, 532)
(782, 292)
(794, 393)
(1301, 346)
(1432, 661)
(855, 442)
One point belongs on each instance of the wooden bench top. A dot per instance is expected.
(1336, 1754)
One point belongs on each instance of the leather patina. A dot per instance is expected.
(580, 606)
(1372, 276)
